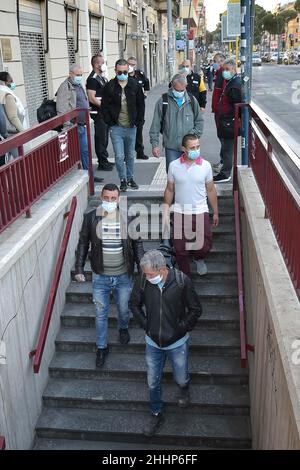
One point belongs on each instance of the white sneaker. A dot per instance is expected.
(201, 267)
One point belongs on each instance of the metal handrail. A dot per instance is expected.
(38, 352)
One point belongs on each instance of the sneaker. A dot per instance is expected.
(221, 178)
(100, 356)
(142, 157)
(105, 166)
(184, 397)
(217, 167)
(123, 186)
(201, 267)
(153, 425)
(97, 180)
(132, 184)
(124, 336)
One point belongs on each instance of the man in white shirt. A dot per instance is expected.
(190, 182)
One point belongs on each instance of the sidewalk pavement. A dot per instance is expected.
(150, 174)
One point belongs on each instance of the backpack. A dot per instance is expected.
(165, 99)
(46, 111)
(179, 277)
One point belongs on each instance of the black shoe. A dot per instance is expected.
(123, 186)
(105, 166)
(98, 180)
(184, 397)
(100, 356)
(132, 184)
(142, 157)
(124, 336)
(221, 178)
(153, 425)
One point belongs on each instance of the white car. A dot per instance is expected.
(274, 58)
(256, 60)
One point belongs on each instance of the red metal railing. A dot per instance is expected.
(24, 180)
(38, 352)
(269, 155)
(2, 443)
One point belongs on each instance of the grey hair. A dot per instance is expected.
(221, 55)
(132, 58)
(230, 62)
(153, 259)
(73, 67)
(179, 78)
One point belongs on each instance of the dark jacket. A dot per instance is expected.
(169, 314)
(133, 249)
(231, 95)
(142, 80)
(111, 102)
(219, 80)
(195, 83)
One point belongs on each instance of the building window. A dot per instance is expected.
(71, 36)
(144, 25)
(33, 56)
(96, 28)
(122, 33)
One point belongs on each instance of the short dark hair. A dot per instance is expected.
(4, 76)
(110, 187)
(187, 138)
(94, 59)
(132, 58)
(121, 62)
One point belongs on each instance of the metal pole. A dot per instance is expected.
(246, 65)
(188, 32)
(170, 42)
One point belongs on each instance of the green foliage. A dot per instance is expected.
(297, 6)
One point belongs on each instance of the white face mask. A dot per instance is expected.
(155, 280)
(109, 206)
(103, 68)
(131, 69)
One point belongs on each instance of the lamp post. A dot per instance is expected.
(170, 41)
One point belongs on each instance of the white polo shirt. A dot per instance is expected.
(190, 181)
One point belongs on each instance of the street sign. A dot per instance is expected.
(191, 44)
(180, 44)
(225, 37)
(233, 18)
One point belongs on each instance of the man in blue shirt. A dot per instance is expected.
(172, 308)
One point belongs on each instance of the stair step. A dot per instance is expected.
(203, 369)
(129, 395)
(183, 427)
(73, 444)
(215, 342)
(215, 315)
(216, 269)
(222, 291)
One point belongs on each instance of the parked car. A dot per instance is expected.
(256, 60)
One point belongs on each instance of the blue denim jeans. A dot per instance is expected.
(155, 360)
(83, 144)
(171, 155)
(123, 141)
(121, 287)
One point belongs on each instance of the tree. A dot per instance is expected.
(260, 14)
(297, 6)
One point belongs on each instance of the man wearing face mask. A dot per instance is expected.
(94, 85)
(190, 182)
(167, 307)
(143, 82)
(123, 107)
(231, 95)
(70, 95)
(195, 83)
(113, 256)
(176, 114)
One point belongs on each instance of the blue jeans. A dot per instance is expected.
(83, 144)
(123, 141)
(121, 287)
(171, 155)
(155, 360)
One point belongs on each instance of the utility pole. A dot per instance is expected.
(246, 66)
(188, 33)
(170, 42)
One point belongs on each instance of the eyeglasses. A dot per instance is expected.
(125, 72)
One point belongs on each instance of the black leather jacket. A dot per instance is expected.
(133, 249)
(170, 313)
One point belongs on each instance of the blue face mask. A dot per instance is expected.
(122, 77)
(178, 94)
(77, 80)
(186, 70)
(227, 75)
(193, 154)
(13, 86)
(109, 206)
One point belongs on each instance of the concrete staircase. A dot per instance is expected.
(89, 408)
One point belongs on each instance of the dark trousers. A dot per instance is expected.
(226, 154)
(101, 138)
(139, 145)
(180, 241)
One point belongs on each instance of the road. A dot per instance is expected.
(273, 91)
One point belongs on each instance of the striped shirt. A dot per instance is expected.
(112, 248)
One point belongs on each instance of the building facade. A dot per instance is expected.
(40, 39)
